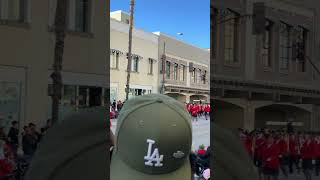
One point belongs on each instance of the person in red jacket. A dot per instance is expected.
(194, 112)
(317, 154)
(293, 153)
(270, 159)
(207, 111)
(201, 150)
(307, 153)
(259, 142)
(248, 144)
(283, 156)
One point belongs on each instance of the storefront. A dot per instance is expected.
(80, 94)
(138, 90)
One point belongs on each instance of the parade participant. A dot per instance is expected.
(75, 148)
(259, 143)
(307, 151)
(283, 156)
(248, 144)
(194, 112)
(293, 153)
(270, 159)
(317, 154)
(160, 140)
(207, 111)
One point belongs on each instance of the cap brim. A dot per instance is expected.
(120, 171)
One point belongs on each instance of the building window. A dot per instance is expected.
(150, 69)
(135, 64)
(175, 72)
(13, 10)
(214, 29)
(115, 60)
(168, 68)
(193, 75)
(199, 76)
(182, 72)
(231, 38)
(82, 16)
(204, 77)
(284, 46)
(69, 95)
(299, 52)
(266, 49)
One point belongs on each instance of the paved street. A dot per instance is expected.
(200, 133)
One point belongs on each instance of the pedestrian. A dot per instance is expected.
(34, 132)
(201, 150)
(114, 104)
(307, 151)
(270, 159)
(13, 137)
(29, 143)
(119, 105)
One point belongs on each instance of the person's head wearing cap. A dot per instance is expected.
(153, 140)
(73, 149)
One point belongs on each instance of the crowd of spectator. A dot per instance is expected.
(16, 147)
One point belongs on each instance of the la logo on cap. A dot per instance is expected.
(154, 157)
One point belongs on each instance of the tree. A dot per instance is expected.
(129, 50)
(59, 29)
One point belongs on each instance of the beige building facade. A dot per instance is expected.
(186, 67)
(184, 70)
(27, 53)
(258, 79)
(144, 65)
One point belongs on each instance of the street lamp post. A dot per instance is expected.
(163, 69)
(129, 49)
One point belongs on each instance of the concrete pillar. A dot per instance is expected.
(249, 117)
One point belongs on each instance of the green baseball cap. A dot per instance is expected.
(153, 140)
(75, 148)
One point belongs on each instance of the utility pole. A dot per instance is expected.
(129, 49)
(59, 28)
(163, 67)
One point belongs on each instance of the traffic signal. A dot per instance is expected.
(258, 18)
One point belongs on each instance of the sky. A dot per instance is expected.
(190, 17)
